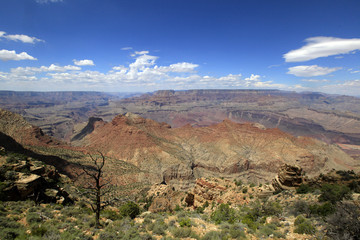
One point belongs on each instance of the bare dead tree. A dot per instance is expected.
(96, 186)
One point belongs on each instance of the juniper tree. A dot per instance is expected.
(96, 186)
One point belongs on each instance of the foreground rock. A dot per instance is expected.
(31, 179)
(289, 177)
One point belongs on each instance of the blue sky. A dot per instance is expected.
(146, 45)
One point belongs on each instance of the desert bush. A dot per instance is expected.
(266, 230)
(184, 232)
(185, 222)
(159, 227)
(38, 230)
(354, 186)
(303, 226)
(334, 193)
(130, 209)
(214, 235)
(11, 175)
(234, 230)
(12, 233)
(223, 213)
(271, 208)
(346, 175)
(110, 214)
(238, 182)
(244, 190)
(300, 207)
(33, 217)
(303, 189)
(344, 223)
(177, 208)
(324, 209)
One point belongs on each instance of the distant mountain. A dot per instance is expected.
(56, 113)
(16, 127)
(180, 155)
(330, 118)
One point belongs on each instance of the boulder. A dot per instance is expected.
(289, 177)
(28, 184)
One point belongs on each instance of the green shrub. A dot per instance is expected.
(303, 189)
(344, 223)
(299, 219)
(185, 222)
(213, 235)
(181, 232)
(303, 225)
(238, 182)
(346, 175)
(12, 233)
(110, 214)
(32, 217)
(334, 193)
(324, 209)
(130, 209)
(271, 208)
(159, 227)
(266, 230)
(354, 186)
(249, 221)
(38, 230)
(223, 213)
(245, 190)
(178, 208)
(237, 231)
(300, 207)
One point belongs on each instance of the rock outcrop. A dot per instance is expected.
(30, 179)
(289, 177)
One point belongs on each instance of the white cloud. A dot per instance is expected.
(141, 52)
(52, 68)
(142, 74)
(315, 80)
(322, 47)
(48, 1)
(120, 68)
(7, 55)
(253, 77)
(85, 62)
(126, 48)
(350, 87)
(178, 67)
(20, 37)
(311, 71)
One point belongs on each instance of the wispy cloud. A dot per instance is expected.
(84, 62)
(7, 55)
(126, 48)
(350, 87)
(311, 71)
(142, 72)
(48, 1)
(315, 80)
(317, 47)
(20, 37)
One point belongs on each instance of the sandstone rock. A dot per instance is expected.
(160, 204)
(289, 177)
(27, 185)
